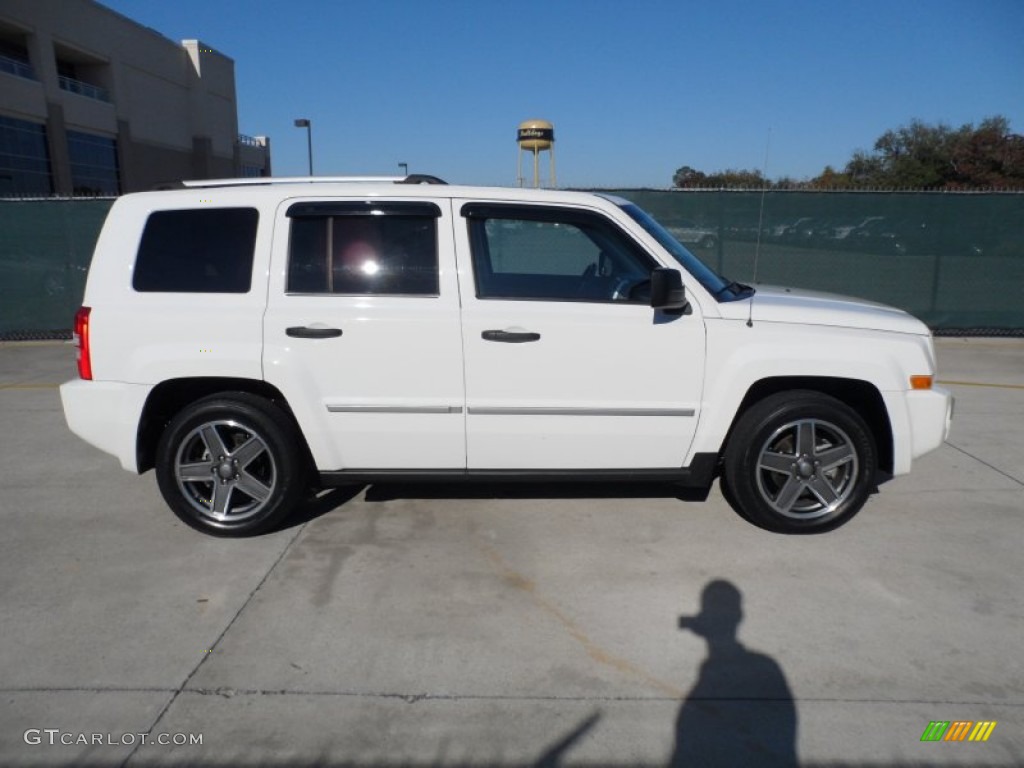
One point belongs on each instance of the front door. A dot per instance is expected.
(567, 365)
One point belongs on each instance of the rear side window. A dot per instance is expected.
(197, 251)
(371, 248)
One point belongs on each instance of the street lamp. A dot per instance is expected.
(405, 168)
(308, 125)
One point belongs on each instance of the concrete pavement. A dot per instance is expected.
(506, 625)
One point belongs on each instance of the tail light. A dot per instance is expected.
(82, 342)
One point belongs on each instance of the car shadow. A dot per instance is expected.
(379, 492)
(317, 504)
(322, 501)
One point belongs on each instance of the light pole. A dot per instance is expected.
(405, 168)
(308, 125)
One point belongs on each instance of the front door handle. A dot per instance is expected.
(305, 332)
(510, 337)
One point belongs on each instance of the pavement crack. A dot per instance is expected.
(1007, 475)
(178, 691)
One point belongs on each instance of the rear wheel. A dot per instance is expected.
(800, 462)
(229, 465)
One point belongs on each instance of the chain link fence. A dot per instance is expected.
(44, 258)
(955, 260)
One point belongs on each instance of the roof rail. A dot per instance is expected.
(268, 180)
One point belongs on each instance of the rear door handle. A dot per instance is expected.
(305, 332)
(510, 337)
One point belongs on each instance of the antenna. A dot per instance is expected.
(760, 222)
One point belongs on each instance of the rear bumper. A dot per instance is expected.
(106, 414)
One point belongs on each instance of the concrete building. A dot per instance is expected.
(92, 102)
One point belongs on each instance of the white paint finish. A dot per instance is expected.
(394, 352)
(602, 358)
(776, 304)
(106, 414)
(399, 389)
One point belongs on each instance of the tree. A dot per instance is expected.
(830, 178)
(922, 156)
(990, 156)
(688, 177)
(913, 156)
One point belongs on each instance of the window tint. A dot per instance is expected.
(387, 249)
(197, 251)
(554, 254)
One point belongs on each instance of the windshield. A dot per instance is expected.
(718, 286)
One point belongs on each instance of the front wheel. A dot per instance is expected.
(800, 462)
(228, 465)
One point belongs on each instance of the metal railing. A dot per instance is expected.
(17, 67)
(252, 141)
(84, 89)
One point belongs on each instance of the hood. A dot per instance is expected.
(775, 304)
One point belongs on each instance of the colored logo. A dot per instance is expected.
(958, 730)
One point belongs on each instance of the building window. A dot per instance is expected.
(14, 59)
(24, 159)
(94, 168)
(79, 78)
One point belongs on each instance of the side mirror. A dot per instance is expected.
(667, 291)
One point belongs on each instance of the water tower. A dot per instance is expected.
(536, 136)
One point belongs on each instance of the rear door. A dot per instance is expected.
(362, 331)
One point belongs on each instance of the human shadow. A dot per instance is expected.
(741, 711)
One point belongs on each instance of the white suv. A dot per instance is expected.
(252, 339)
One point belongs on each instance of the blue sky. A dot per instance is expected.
(635, 89)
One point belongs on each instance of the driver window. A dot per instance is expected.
(541, 255)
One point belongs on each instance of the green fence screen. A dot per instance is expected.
(956, 260)
(45, 248)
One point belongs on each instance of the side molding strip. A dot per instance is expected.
(487, 411)
(394, 408)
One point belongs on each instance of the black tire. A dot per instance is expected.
(251, 452)
(799, 462)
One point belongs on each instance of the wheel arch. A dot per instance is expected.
(861, 396)
(169, 397)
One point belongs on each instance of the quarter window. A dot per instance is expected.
(554, 254)
(376, 248)
(197, 251)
